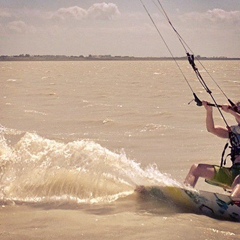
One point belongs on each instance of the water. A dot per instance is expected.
(78, 137)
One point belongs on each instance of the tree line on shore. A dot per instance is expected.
(28, 57)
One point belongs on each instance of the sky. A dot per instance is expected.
(211, 28)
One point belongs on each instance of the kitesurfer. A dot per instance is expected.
(227, 177)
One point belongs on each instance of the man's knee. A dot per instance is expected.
(237, 180)
(194, 166)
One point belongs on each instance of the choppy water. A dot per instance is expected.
(78, 137)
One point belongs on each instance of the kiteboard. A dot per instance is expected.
(216, 205)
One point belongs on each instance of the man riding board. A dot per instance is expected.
(227, 177)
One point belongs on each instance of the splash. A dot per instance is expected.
(40, 170)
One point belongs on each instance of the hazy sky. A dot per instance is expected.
(118, 27)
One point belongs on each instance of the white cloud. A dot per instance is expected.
(71, 12)
(216, 15)
(104, 11)
(17, 26)
(221, 15)
(20, 27)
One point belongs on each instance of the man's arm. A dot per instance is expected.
(228, 109)
(216, 130)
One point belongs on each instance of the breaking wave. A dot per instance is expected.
(34, 169)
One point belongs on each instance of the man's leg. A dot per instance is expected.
(199, 170)
(235, 195)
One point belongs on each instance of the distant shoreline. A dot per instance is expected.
(27, 57)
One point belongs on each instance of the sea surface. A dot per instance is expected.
(76, 138)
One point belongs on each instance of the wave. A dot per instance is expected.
(34, 169)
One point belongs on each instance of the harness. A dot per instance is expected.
(234, 139)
